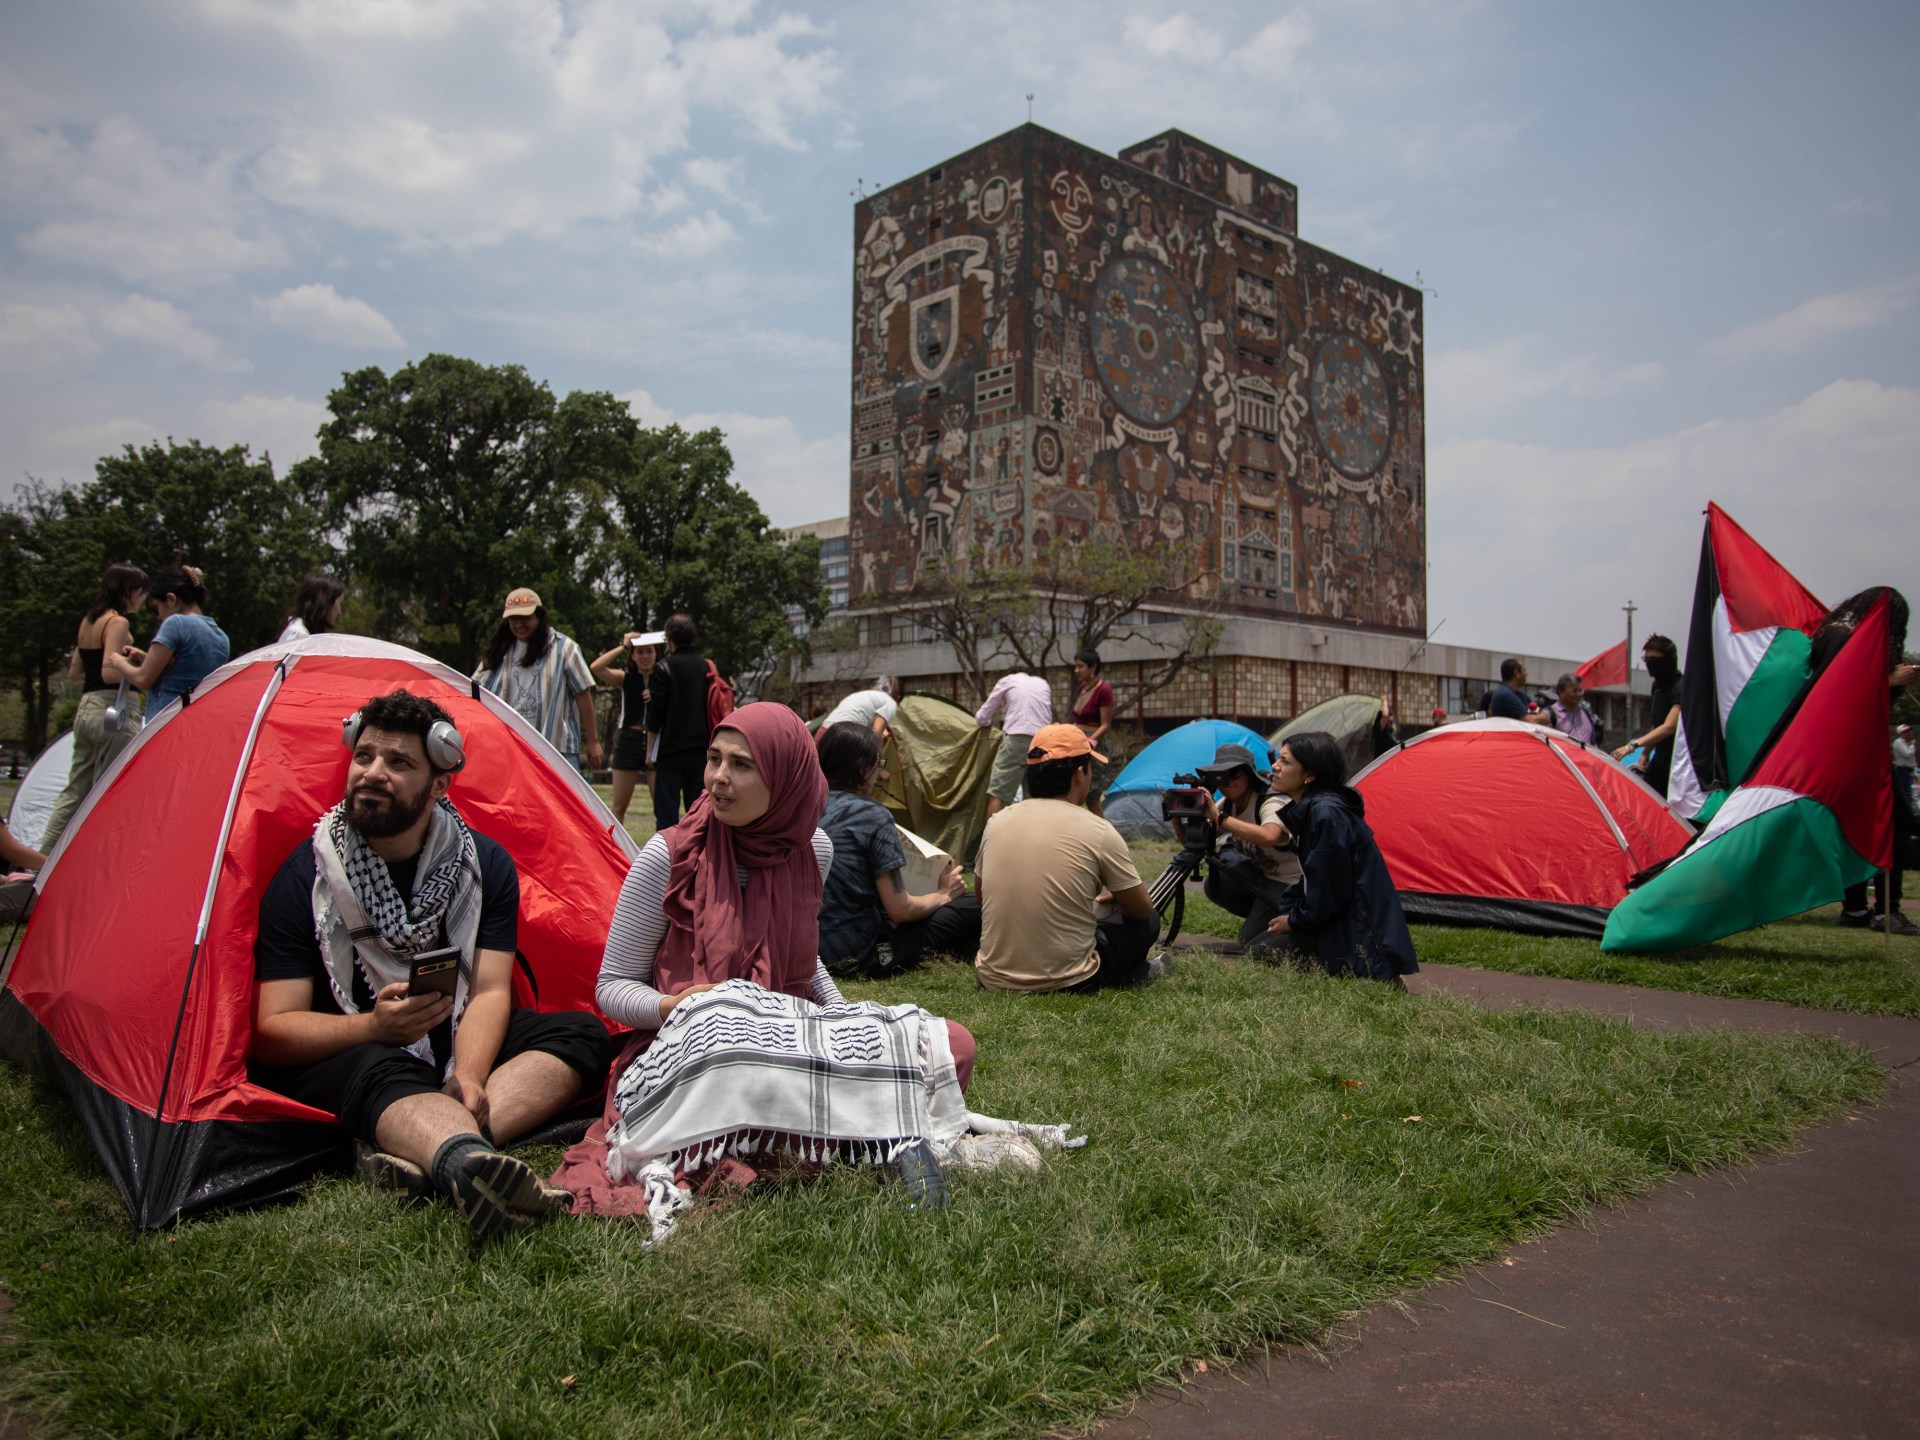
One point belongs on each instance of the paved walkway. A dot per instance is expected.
(1778, 1299)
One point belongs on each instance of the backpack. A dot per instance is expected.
(719, 698)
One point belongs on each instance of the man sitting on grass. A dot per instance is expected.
(424, 1083)
(1061, 906)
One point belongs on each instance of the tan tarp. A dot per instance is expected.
(938, 763)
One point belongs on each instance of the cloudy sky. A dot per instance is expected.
(1670, 249)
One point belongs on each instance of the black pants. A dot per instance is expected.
(953, 929)
(1123, 944)
(359, 1083)
(1236, 885)
(1887, 903)
(677, 780)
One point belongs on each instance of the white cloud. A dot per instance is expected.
(796, 479)
(1469, 387)
(313, 22)
(580, 108)
(320, 313)
(40, 335)
(1820, 319)
(283, 426)
(1574, 534)
(129, 205)
(147, 321)
(1172, 37)
(1870, 206)
(693, 238)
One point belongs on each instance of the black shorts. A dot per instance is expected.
(359, 1083)
(630, 748)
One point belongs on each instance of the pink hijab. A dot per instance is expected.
(769, 932)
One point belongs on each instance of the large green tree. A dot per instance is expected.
(453, 482)
(253, 535)
(678, 534)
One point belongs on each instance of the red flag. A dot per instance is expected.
(1609, 667)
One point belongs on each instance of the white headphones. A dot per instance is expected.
(445, 748)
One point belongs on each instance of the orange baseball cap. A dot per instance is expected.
(1061, 742)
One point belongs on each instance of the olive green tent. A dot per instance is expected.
(938, 764)
(1348, 718)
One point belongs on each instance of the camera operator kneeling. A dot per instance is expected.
(1248, 878)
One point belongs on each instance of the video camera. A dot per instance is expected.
(1185, 800)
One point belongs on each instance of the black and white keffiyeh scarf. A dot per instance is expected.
(362, 919)
(743, 1071)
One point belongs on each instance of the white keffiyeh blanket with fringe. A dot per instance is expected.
(743, 1071)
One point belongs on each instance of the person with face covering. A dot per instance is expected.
(1662, 659)
(729, 894)
(1344, 909)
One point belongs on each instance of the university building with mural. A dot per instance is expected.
(1053, 346)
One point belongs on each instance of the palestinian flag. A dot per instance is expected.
(1812, 819)
(1746, 660)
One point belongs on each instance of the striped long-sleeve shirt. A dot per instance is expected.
(625, 991)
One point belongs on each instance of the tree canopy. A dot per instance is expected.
(436, 490)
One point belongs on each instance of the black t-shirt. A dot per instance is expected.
(866, 846)
(1666, 695)
(678, 710)
(633, 699)
(287, 948)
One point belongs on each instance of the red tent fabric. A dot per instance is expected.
(134, 980)
(1514, 826)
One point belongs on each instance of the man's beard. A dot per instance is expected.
(377, 822)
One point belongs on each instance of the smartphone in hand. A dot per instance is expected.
(434, 972)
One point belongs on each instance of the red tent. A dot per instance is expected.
(1514, 826)
(134, 981)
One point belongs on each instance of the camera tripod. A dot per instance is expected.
(1168, 894)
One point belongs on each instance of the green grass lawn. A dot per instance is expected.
(1808, 960)
(1270, 1152)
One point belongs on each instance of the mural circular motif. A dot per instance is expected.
(1145, 345)
(1351, 529)
(1046, 451)
(1351, 408)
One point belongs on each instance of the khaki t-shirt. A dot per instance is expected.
(1041, 864)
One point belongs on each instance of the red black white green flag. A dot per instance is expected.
(1812, 818)
(1746, 659)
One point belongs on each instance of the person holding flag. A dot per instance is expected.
(1811, 819)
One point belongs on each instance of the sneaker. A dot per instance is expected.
(1160, 967)
(1857, 919)
(1895, 924)
(390, 1172)
(497, 1194)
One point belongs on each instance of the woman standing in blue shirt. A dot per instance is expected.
(187, 648)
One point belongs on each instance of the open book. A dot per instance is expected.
(925, 861)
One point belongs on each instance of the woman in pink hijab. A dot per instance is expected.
(732, 892)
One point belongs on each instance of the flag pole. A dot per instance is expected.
(1886, 919)
(1630, 607)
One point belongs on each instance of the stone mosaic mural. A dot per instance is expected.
(1052, 345)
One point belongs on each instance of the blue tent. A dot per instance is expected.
(1132, 803)
(1181, 750)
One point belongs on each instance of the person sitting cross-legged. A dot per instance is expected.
(870, 924)
(1061, 905)
(426, 1084)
